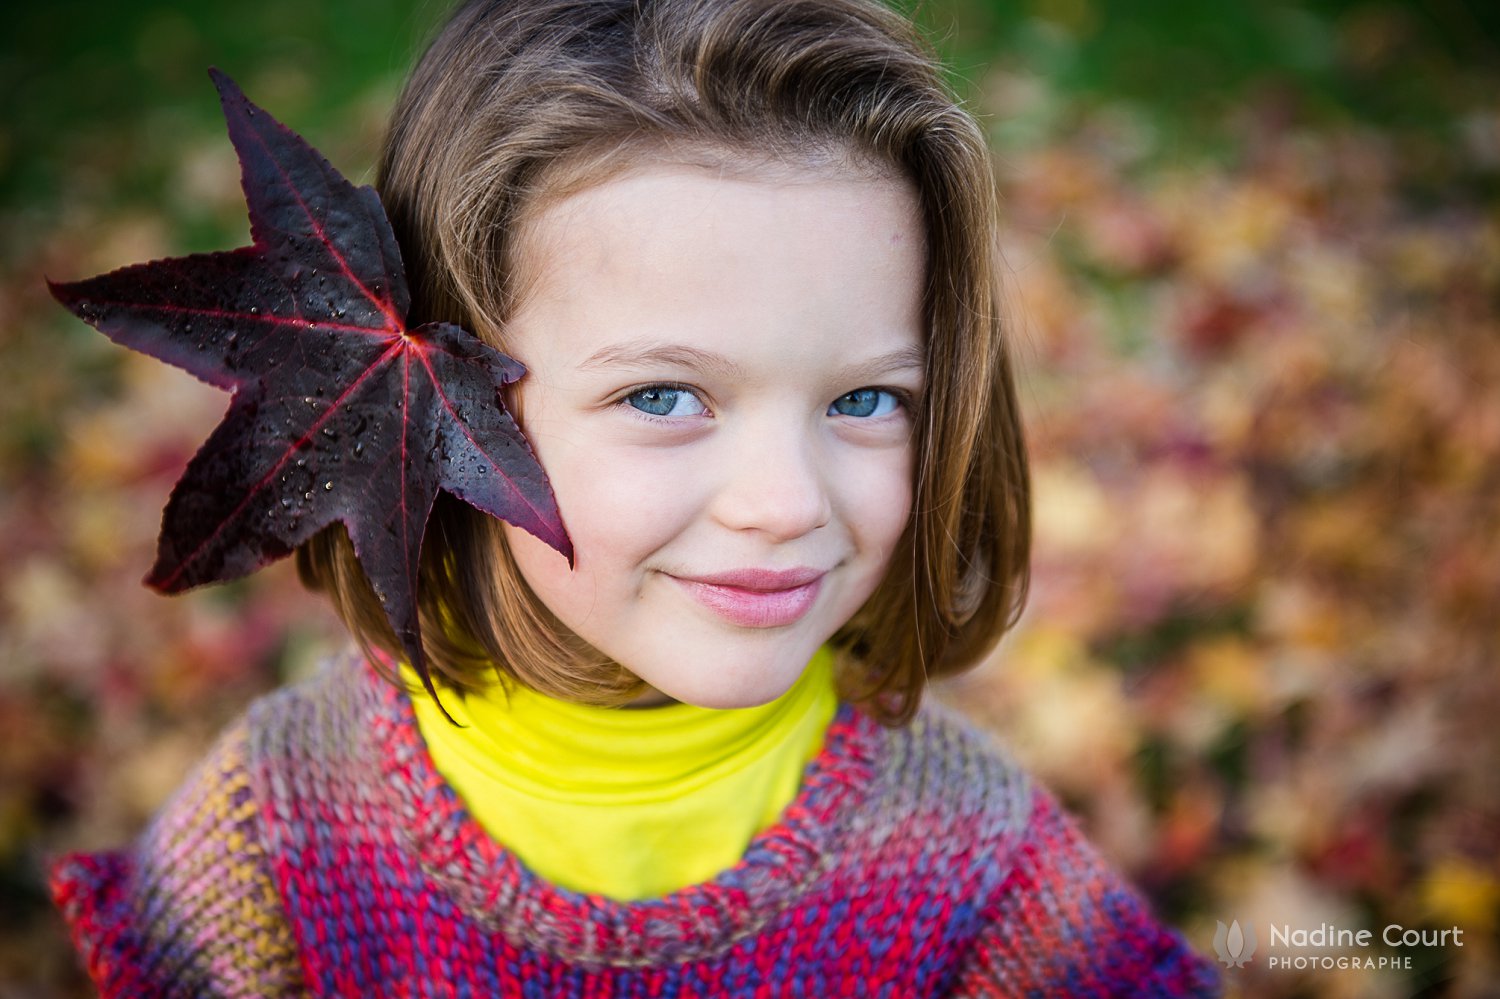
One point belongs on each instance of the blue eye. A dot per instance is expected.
(865, 402)
(665, 400)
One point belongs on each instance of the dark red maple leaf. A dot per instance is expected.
(339, 413)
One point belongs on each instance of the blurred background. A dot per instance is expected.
(1254, 250)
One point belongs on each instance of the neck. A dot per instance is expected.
(632, 803)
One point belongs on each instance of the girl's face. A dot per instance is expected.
(721, 369)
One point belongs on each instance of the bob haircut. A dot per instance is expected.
(518, 102)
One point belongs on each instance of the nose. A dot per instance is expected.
(774, 483)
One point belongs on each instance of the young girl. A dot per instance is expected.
(746, 252)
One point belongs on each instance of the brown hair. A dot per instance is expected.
(513, 95)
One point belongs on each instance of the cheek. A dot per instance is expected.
(894, 515)
(619, 505)
(878, 498)
(544, 570)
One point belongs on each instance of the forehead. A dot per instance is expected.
(725, 258)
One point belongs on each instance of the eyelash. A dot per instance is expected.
(624, 401)
(902, 396)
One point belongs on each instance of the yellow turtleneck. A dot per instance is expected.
(627, 803)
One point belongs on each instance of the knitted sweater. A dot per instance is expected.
(317, 852)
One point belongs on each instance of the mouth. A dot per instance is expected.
(756, 598)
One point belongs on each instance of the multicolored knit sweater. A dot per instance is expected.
(317, 852)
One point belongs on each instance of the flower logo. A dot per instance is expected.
(1233, 944)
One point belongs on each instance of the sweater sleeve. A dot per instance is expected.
(1064, 923)
(191, 909)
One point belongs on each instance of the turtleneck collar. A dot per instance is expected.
(627, 803)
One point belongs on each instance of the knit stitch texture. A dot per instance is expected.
(317, 852)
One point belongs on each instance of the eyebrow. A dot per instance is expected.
(637, 354)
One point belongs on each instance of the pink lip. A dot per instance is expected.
(756, 598)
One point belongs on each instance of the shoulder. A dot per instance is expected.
(942, 763)
(1053, 916)
(1065, 922)
(937, 821)
(192, 907)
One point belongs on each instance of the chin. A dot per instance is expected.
(722, 700)
(735, 681)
